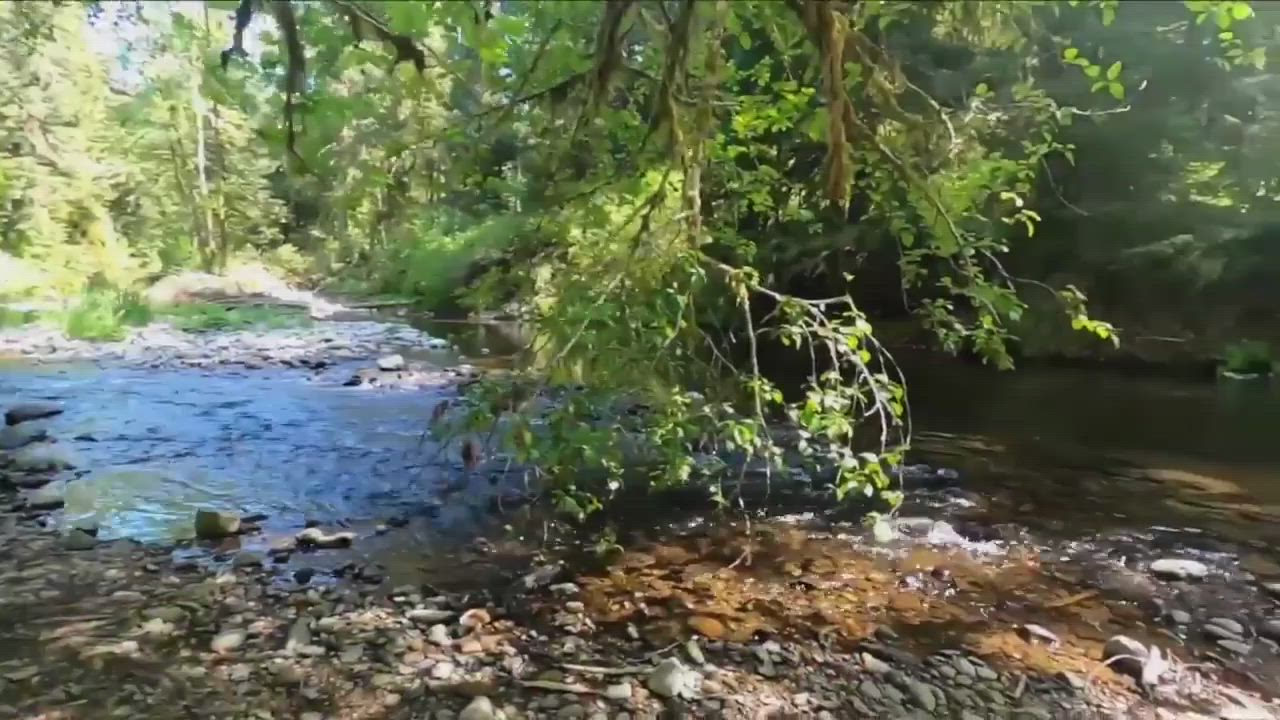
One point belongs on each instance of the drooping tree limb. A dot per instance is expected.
(296, 71)
(244, 14)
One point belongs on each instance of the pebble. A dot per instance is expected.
(1175, 569)
(299, 635)
(429, 616)
(619, 691)
(870, 690)
(391, 363)
(1217, 632)
(1123, 645)
(480, 708)
(474, 618)
(1236, 646)
(1179, 617)
(439, 634)
(923, 695)
(874, 664)
(1228, 624)
(443, 670)
(1032, 633)
(227, 641)
(671, 679)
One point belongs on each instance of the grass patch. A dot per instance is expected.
(210, 317)
(10, 317)
(104, 314)
(1248, 357)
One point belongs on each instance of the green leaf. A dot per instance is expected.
(1093, 71)
(1117, 90)
(1070, 54)
(1241, 11)
(982, 90)
(1108, 15)
(1113, 72)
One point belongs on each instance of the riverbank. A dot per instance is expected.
(964, 614)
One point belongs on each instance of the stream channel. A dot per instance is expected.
(1071, 483)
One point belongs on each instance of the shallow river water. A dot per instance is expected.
(1101, 473)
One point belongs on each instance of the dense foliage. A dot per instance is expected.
(664, 189)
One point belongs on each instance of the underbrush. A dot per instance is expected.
(431, 261)
(213, 317)
(105, 314)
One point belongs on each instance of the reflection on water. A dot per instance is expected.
(1106, 449)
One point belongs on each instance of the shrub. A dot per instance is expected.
(1248, 357)
(103, 313)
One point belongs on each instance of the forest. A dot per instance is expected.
(722, 228)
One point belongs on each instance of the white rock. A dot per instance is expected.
(620, 691)
(480, 708)
(391, 363)
(439, 634)
(227, 641)
(429, 616)
(315, 537)
(672, 679)
(1175, 569)
(299, 635)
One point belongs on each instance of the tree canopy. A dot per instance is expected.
(662, 188)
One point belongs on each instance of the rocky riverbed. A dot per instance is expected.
(958, 615)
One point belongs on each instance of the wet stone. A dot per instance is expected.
(1175, 569)
(1238, 647)
(923, 695)
(1270, 630)
(1235, 628)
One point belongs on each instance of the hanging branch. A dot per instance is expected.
(406, 48)
(244, 14)
(296, 71)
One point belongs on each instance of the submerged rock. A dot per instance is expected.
(22, 412)
(1175, 569)
(44, 456)
(78, 539)
(13, 437)
(214, 524)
